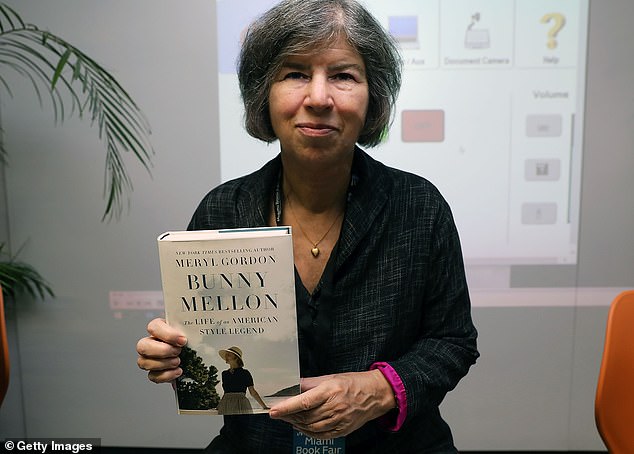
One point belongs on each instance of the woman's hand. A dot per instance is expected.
(158, 353)
(333, 406)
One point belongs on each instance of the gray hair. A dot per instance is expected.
(296, 26)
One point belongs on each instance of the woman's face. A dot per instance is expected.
(318, 102)
(231, 359)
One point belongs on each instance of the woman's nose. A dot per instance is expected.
(319, 94)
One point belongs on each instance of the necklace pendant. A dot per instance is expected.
(315, 251)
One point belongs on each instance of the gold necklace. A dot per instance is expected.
(314, 250)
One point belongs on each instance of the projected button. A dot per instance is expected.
(539, 213)
(543, 125)
(542, 169)
(405, 30)
(423, 125)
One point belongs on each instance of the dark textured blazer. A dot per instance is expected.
(401, 297)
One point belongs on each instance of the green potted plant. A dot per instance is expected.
(19, 277)
(74, 83)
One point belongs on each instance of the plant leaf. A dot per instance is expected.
(76, 82)
(18, 277)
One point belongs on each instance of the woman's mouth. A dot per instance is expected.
(316, 129)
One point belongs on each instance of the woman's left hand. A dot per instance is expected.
(333, 406)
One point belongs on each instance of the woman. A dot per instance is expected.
(235, 381)
(383, 307)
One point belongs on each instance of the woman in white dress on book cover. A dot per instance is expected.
(235, 382)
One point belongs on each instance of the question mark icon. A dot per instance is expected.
(560, 21)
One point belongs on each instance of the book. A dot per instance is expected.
(232, 294)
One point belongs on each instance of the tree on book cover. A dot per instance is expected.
(196, 388)
(232, 294)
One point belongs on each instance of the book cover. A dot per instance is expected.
(232, 294)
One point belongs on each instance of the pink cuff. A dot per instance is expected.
(396, 383)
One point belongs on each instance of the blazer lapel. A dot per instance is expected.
(367, 199)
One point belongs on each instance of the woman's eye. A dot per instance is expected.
(344, 76)
(294, 75)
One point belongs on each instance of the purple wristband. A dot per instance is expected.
(399, 394)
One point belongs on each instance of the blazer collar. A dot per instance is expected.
(367, 198)
(254, 203)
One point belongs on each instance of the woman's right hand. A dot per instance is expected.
(158, 352)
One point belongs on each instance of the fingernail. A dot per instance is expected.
(181, 341)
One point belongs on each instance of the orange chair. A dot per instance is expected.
(4, 352)
(614, 400)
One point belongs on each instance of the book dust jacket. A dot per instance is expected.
(232, 294)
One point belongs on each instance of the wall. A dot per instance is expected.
(74, 371)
